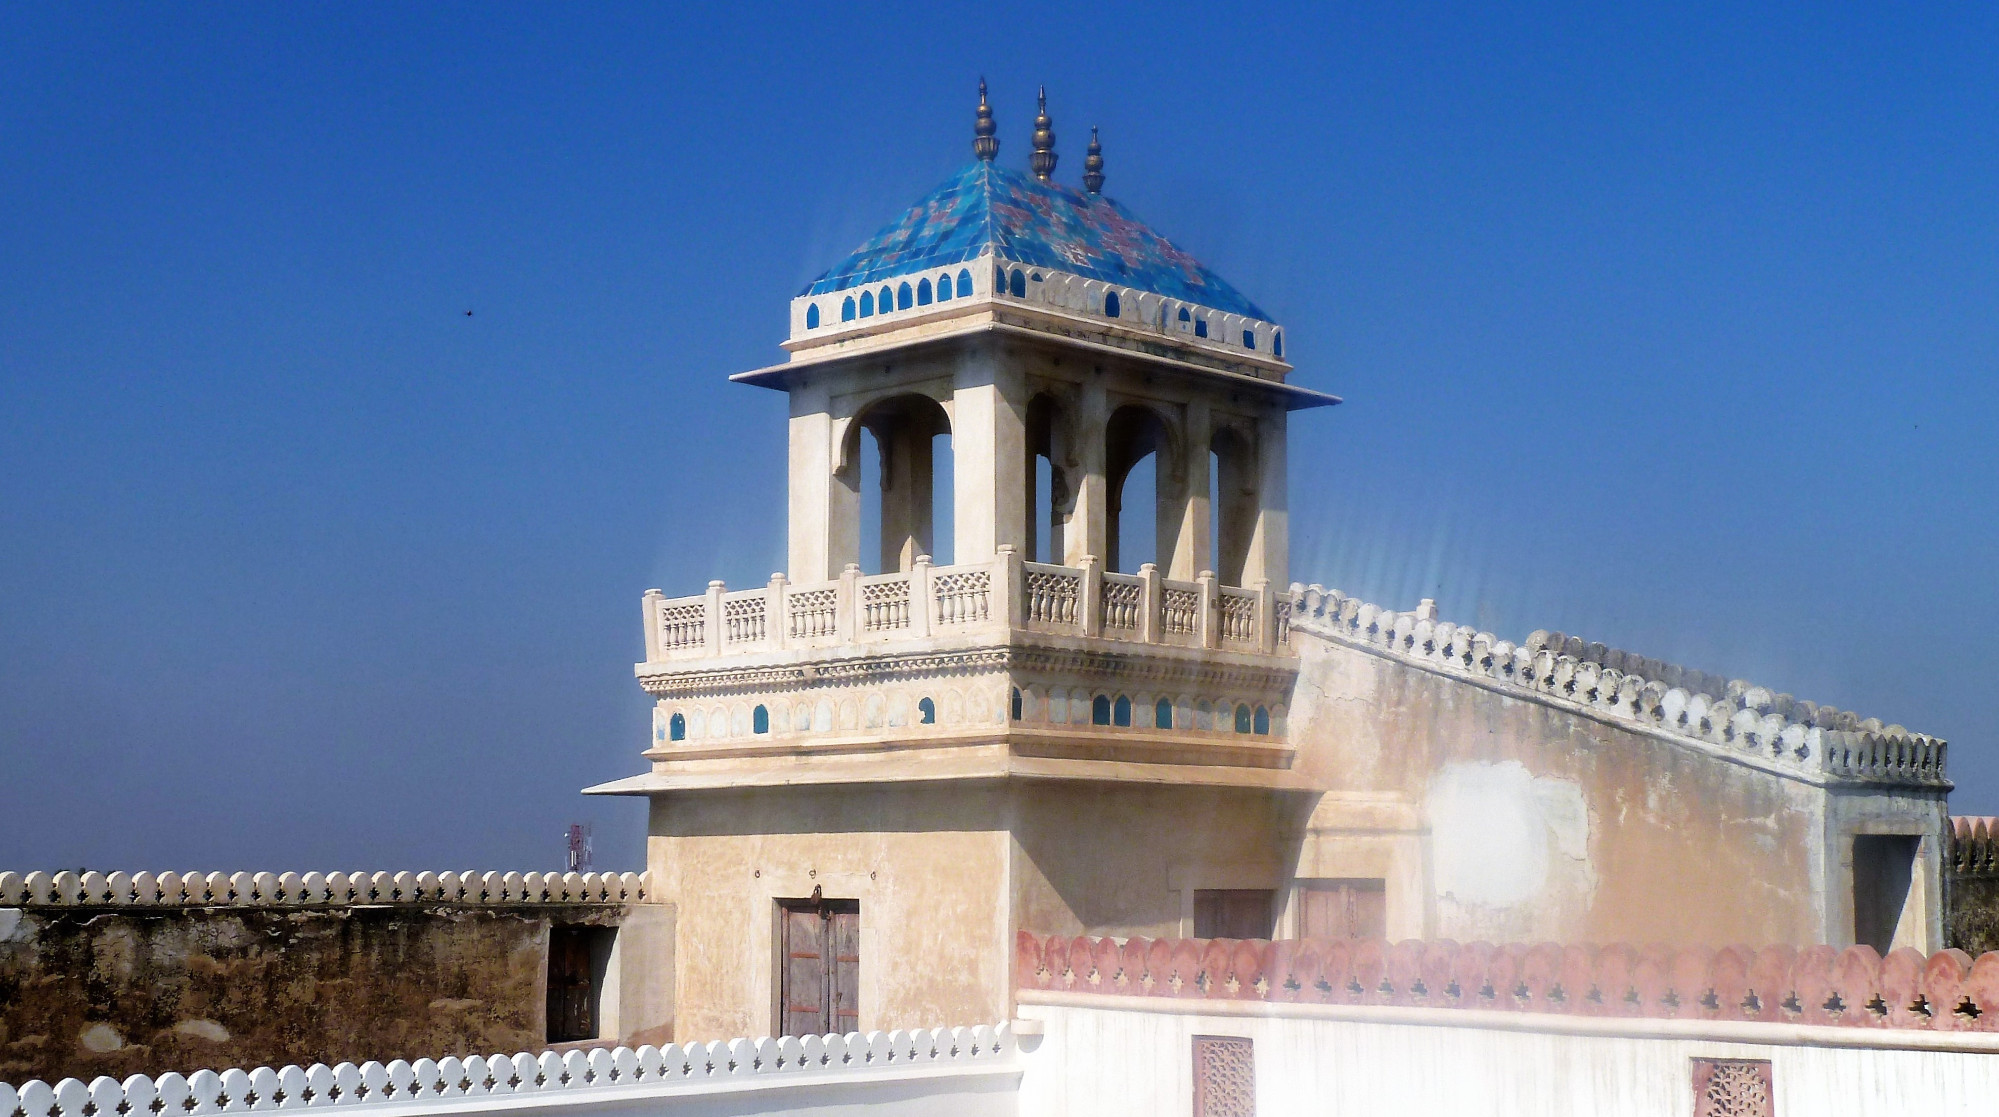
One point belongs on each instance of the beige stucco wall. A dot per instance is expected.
(926, 861)
(1515, 820)
(1109, 859)
(933, 866)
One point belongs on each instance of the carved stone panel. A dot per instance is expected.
(1733, 1088)
(1224, 1077)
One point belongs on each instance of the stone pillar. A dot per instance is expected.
(1149, 604)
(777, 623)
(1194, 546)
(988, 459)
(824, 526)
(847, 620)
(1087, 531)
(649, 607)
(1005, 586)
(711, 628)
(906, 495)
(1269, 557)
(1090, 596)
(1211, 635)
(921, 601)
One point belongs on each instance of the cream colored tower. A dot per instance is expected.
(963, 749)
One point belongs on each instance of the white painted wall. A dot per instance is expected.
(1105, 1061)
(960, 1072)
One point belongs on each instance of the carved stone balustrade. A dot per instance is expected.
(975, 600)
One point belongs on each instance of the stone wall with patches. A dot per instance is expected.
(1971, 882)
(91, 989)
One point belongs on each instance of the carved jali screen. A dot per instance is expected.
(1733, 1088)
(1224, 1077)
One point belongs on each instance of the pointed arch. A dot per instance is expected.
(812, 317)
(923, 292)
(867, 304)
(905, 297)
(1112, 308)
(964, 283)
(847, 309)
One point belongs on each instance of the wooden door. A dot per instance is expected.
(1344, 909)
(570, 996)
(819, 990)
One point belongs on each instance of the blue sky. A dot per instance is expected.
(1675, 327)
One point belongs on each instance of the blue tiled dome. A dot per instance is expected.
(1039, 224)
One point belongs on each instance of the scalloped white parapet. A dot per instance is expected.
(67, 889)
(1775, 729)
(597, 1076)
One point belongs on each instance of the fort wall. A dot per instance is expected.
(99, 976)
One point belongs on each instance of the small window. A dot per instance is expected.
(1263, 721)
(1016, 703)
(1234, 913)
(926, 712)
(1200, 327)
(1249, 339)
(1121, 711)
(1162, 715)
(867, 304)
(885, 301)
(1242, 719)
(1184, 316)
(760, 720)
(1100, 710)
(812, 317)
(676, 728)
(1112, 309)
(944, 287)
(847, 309)
(1343, 909)
(1035, 277)
(905, 297)
(1017, 286)
(1277, 344)
(923, 292)
(964, 284)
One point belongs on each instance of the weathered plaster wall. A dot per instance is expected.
(1530, 822)
(933, 866)
(86, 991)
(1119, 859)
(927, 862)
(1971, 884)
(1972, 921)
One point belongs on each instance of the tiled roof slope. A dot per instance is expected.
(1040, 224)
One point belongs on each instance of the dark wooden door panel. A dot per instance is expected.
(819, 984)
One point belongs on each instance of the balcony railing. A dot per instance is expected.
(974, 600)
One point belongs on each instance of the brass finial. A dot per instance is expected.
(985, 144)
(1042, 162)
(1093, 165)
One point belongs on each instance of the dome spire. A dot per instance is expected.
(985, 144)
(1093, 165)
(1042, 162)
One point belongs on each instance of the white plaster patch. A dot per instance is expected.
(202, 1029)
(10, 922)
(101, 1038)
(1494, 829)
